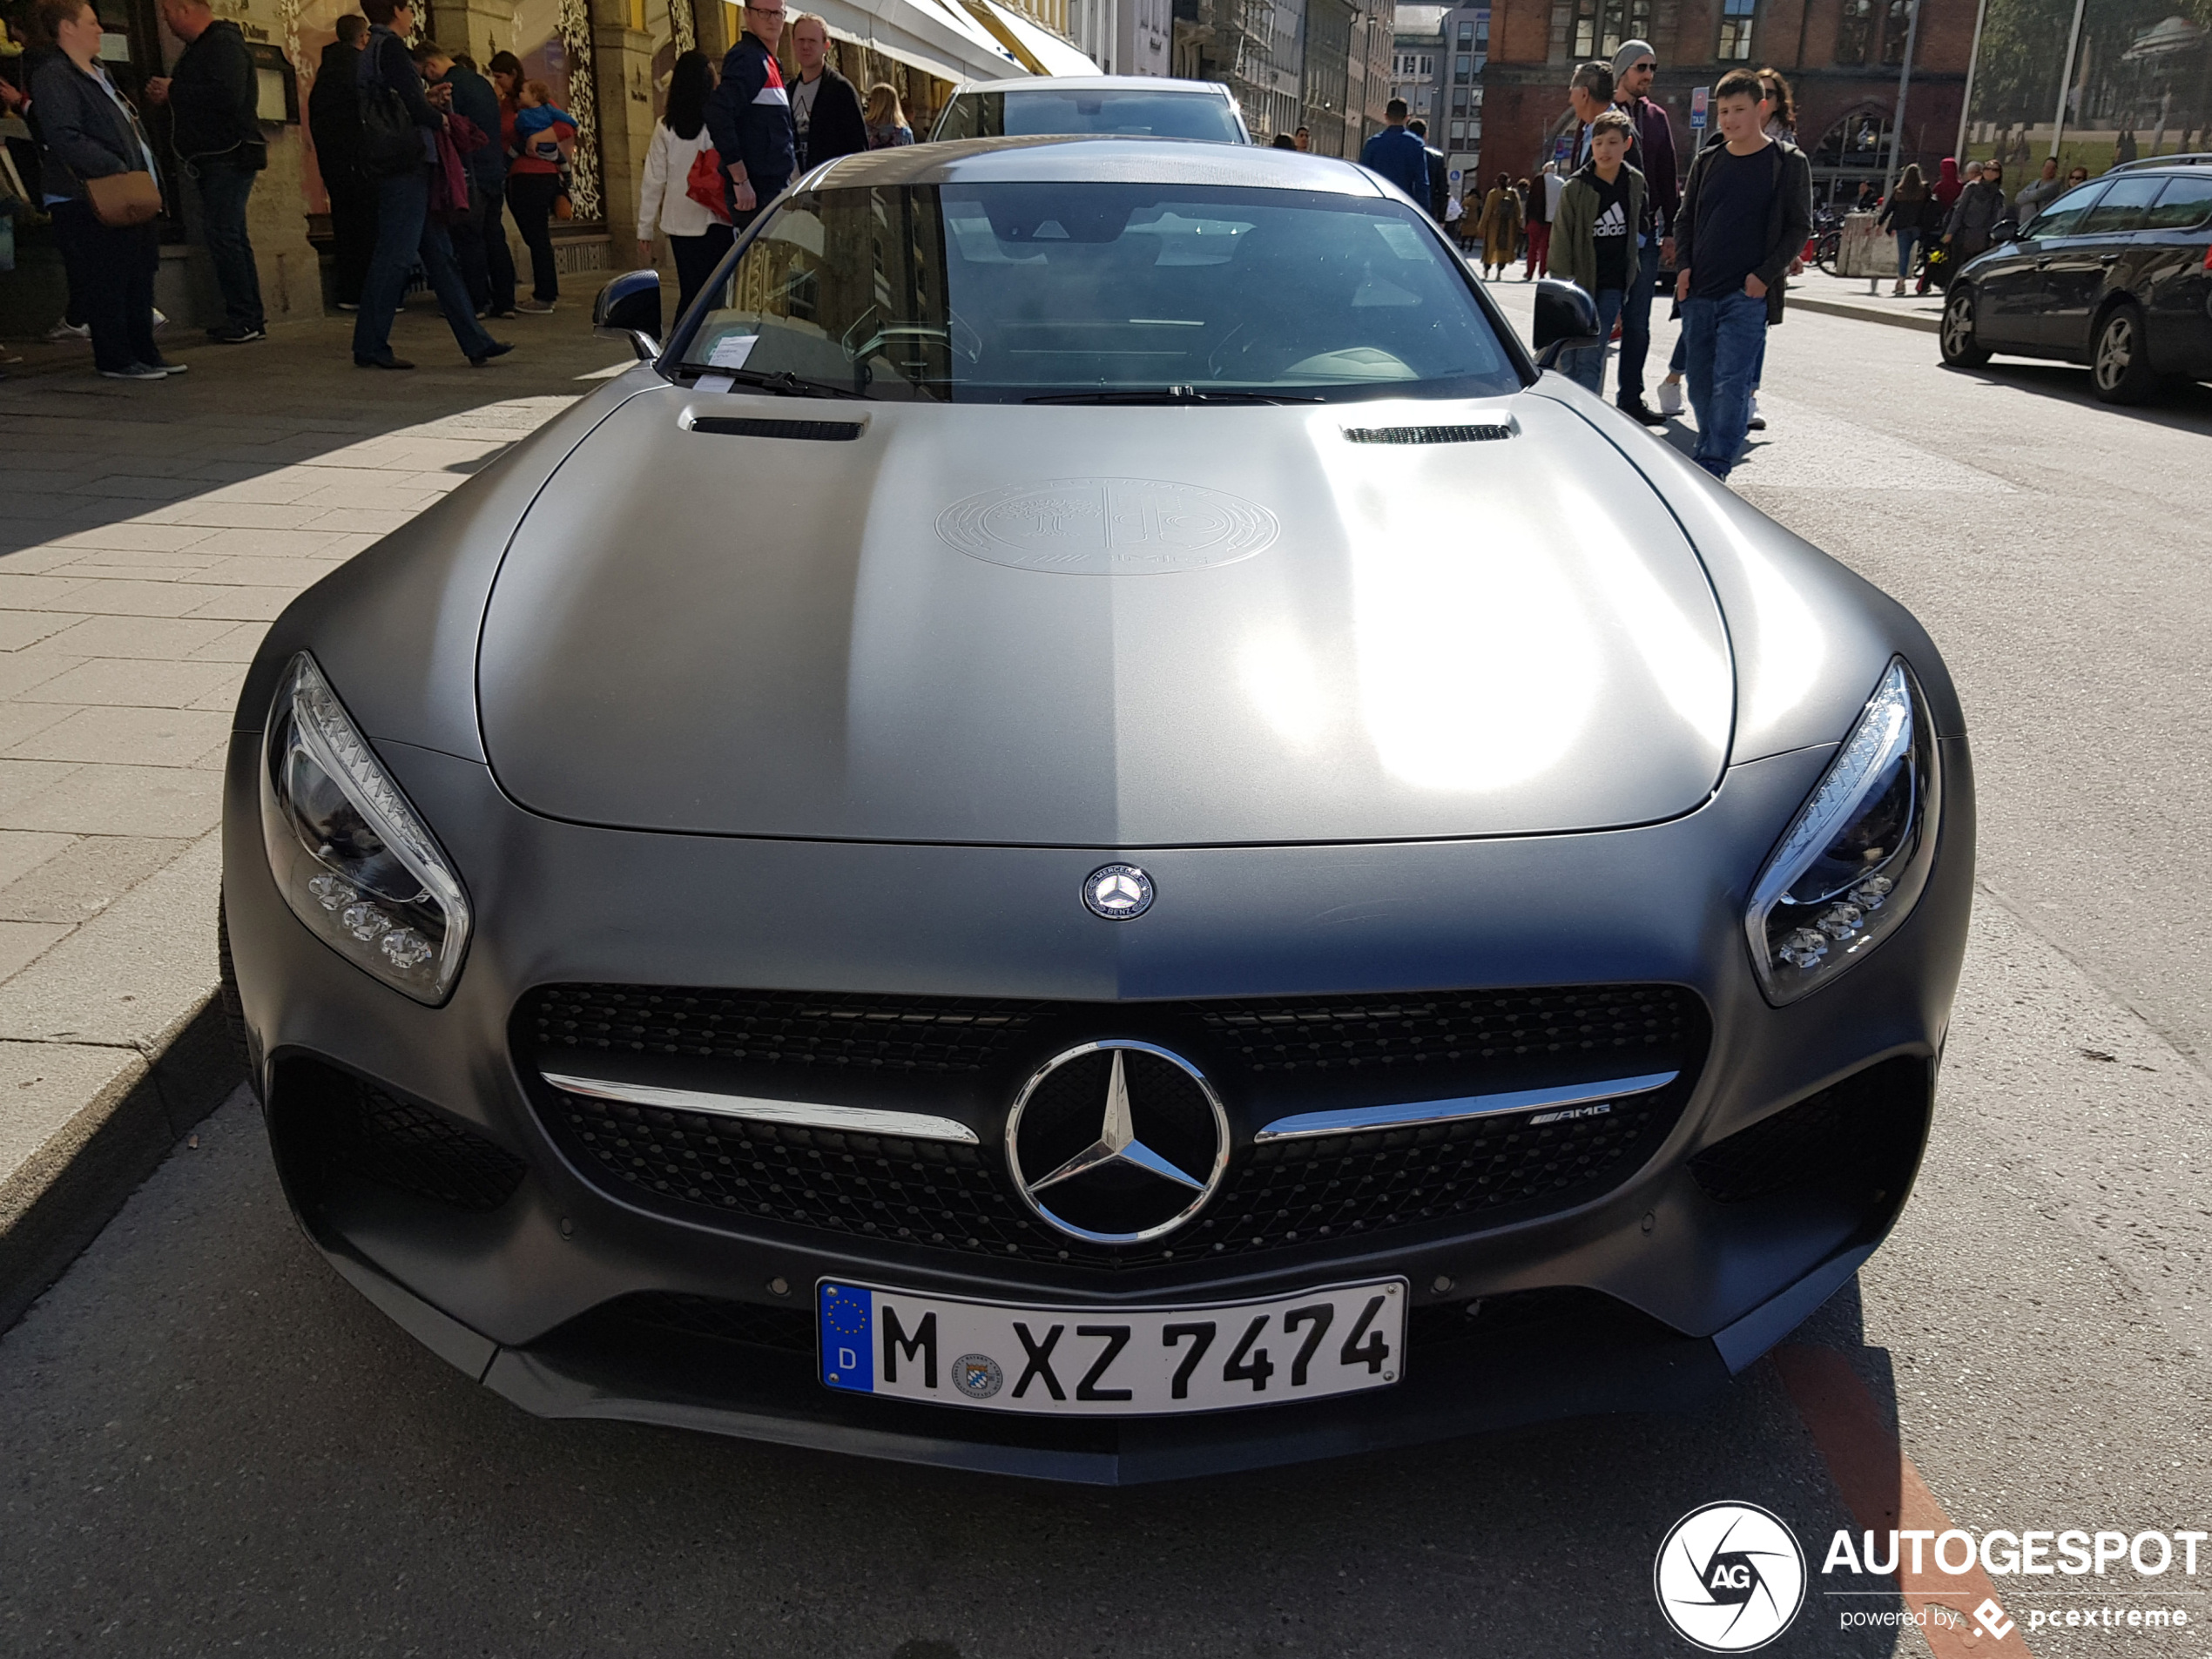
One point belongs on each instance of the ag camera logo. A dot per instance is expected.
(1730, 1577)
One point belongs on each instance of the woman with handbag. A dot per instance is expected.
(697, 232)
(399, 128)
(100, 187)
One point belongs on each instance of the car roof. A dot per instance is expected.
(1057, 158)
(1094, 84)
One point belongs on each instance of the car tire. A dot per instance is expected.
(1957, 340)
(2119, 369)
(234, 1005)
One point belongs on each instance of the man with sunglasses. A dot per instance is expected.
(749, 117)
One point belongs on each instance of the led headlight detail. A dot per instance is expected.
(350, 856)
(1856, 857)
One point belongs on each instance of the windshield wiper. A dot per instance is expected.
(783, 382)
(1171, 395)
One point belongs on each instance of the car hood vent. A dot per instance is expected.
(814, 431)
(1428, 433)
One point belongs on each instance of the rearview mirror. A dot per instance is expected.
(628, 308)
(1566, 320)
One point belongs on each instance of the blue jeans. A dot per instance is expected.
(1586, 368)
(405, 229)
(1636, 328)
(1722, 340)
(224, 187)
(1906, 236)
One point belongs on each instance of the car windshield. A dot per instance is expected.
(1127, 112)
(1014, 291)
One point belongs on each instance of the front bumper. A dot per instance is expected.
(557, 1292)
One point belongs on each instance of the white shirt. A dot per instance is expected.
(662, 201)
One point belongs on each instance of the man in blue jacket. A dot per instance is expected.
(1397, 154)
(749, 117)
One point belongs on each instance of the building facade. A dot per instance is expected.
(1841, 58)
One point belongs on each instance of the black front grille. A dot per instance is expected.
(333, 1126)
(1279, 1195)
(709, 1318)
(775, 1027)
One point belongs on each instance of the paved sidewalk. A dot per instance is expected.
(1816, 290)
(148, 534)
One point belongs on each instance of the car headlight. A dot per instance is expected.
(350, 856)
(1856, 857)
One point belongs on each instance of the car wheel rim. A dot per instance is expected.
(2115, 351)
(1960, 326)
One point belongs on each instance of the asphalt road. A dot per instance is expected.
(211, 1445)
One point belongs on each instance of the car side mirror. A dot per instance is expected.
(1566, 320)
(2007, 230)
(628, 308)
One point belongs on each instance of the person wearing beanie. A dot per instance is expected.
(1634, 67)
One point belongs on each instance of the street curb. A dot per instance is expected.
(1865, 314)
(57, 1203)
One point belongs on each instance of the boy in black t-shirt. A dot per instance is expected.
(1593, 239)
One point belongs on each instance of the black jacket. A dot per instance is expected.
(839, 127)
(334, 112)
(213, 92)
(85, 135)
(1440, 184)
(750, 117)
(476, 99)
(1789, 219)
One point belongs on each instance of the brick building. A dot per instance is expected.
(1841, 57)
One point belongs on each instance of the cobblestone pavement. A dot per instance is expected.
(148, 534)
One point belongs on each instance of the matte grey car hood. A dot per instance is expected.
(1102, 627)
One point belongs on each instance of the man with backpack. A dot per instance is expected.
(1746, 210)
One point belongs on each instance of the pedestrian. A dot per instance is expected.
(1499, 226)
(2124, 150)
(697, 235)
(1398, 156)
(825, 115)
(1635, 67)
(888, 127)
(334, 125)
(2040, 192)
(533, 178)
(1543, 202)
(2078, 177)
(1745, 212)
(1304, 140)
(1594, 244)
(1778, 113)
(1440, 177)
(214, 94)
(1282, 141)
(1973, 218)
(479, 242)
(749, 117)
(1947, 185)
(390, 89)
(92, 136)
(1902, 216)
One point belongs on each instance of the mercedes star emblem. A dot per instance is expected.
(1117, 1142)
(1118, 892)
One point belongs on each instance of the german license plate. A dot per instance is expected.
(1098, 1362)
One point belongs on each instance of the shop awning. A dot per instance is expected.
(928, 35)
(1045, 51)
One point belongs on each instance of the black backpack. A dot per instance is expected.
(391, 143)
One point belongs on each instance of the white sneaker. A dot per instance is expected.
(1670, 397)
(1758, 422)
(62, 330)
(160, 318)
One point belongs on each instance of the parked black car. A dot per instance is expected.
(2116, 274)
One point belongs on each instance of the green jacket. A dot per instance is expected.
(1573, 255)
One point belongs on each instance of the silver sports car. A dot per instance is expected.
(1090, 830)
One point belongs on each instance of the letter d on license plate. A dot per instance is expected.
(1093, 1361)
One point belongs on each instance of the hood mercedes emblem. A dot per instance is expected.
(1118, 892)
(1117, 1142)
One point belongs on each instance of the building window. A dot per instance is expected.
(1466, 33)
(1462, 70)
(1601, 25)
(1459, 103)
(1735, 31)
(1855, 31)
(1458, 131)
(1428, 66)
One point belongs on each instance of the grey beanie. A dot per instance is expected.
(1630, 50)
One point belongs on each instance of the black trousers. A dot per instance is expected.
(499, 259)
(111, 278)
(696, 258)
(532, 196)
(353, 232)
